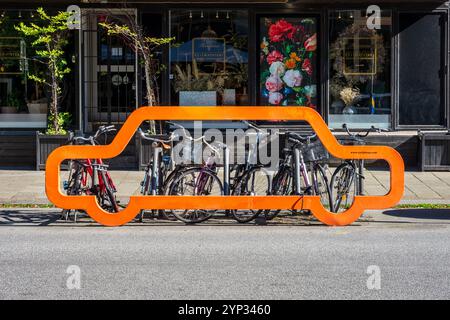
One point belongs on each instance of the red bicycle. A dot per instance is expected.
(91, 176)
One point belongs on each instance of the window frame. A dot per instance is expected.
(328, 64)
(396, 80)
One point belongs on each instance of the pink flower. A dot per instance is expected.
(293, 78)
(275, 98)
(311, 43)
(274, 56)
(274, 83)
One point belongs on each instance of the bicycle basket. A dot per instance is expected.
(351, 141)
(314, 151)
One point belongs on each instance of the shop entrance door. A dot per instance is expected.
(108, 72)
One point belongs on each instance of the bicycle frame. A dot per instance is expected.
(93, 172)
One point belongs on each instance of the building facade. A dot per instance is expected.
(355, 63)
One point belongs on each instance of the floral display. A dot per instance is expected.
(288, 62)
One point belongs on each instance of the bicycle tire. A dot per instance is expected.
(241, 188)
(282, 185)
(196, 215)
(108, 196)
(322, 188)
(343, 178)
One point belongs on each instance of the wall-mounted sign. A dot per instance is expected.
(360, 56)
(12, 55)
(209, 50)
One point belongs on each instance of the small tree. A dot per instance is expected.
(135, 38)
(49, 38)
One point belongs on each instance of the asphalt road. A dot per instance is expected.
(292, 259)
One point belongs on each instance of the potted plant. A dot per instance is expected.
(13, 104)
(38, 102)
(198, 89)
(49, 38)
(349, 96)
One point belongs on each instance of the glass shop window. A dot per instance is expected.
(360, 70)
(24, 102)
(422, 69)
(209, 57)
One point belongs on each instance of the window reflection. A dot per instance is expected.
(209, 60)
(360, 68)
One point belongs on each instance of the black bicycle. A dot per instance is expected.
(301, 172)
(345, 179)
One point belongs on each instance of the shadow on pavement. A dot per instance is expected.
(26, 217)
(32, 218)
(432, 214)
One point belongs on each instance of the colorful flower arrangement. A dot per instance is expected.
(287, 62)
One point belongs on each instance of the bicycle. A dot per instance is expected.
(301, 172)
(250, 179)
(199, 181)
(345, 181)
(91, 177)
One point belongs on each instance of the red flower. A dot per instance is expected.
(274, 56)
(281, 30)
(307, 67)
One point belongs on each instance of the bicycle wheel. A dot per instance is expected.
(106, 197)
(196, 182)
(74, 187)
(343, 186)
(282, 185)
(321, 187)
(255, 182)
(173, 176)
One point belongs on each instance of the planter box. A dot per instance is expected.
(39, 108)
(434, 151)
(144, 149)
(198, 98)
(45, 144)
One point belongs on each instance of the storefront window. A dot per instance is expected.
(360, 71)
(288, 61)
(421, 69)
(23, 102)
(209, 57)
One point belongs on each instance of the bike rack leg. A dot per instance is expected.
(226, 171)
(297, 171)
(360, 177)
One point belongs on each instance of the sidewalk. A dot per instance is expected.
(28, 187)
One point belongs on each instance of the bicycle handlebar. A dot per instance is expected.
(363, 135)
(91, 139)
(292, 136)
(172, 137)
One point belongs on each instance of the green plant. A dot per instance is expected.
(49, 39)
(63, 120)
(192, 80)
(14, 99)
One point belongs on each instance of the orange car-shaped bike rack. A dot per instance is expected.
(90, 205)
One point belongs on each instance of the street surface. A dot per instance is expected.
(293, 258)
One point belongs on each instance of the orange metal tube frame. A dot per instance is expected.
(89, 203)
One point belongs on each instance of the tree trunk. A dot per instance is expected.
(54, 102)
(54, 107)
(150, 95)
